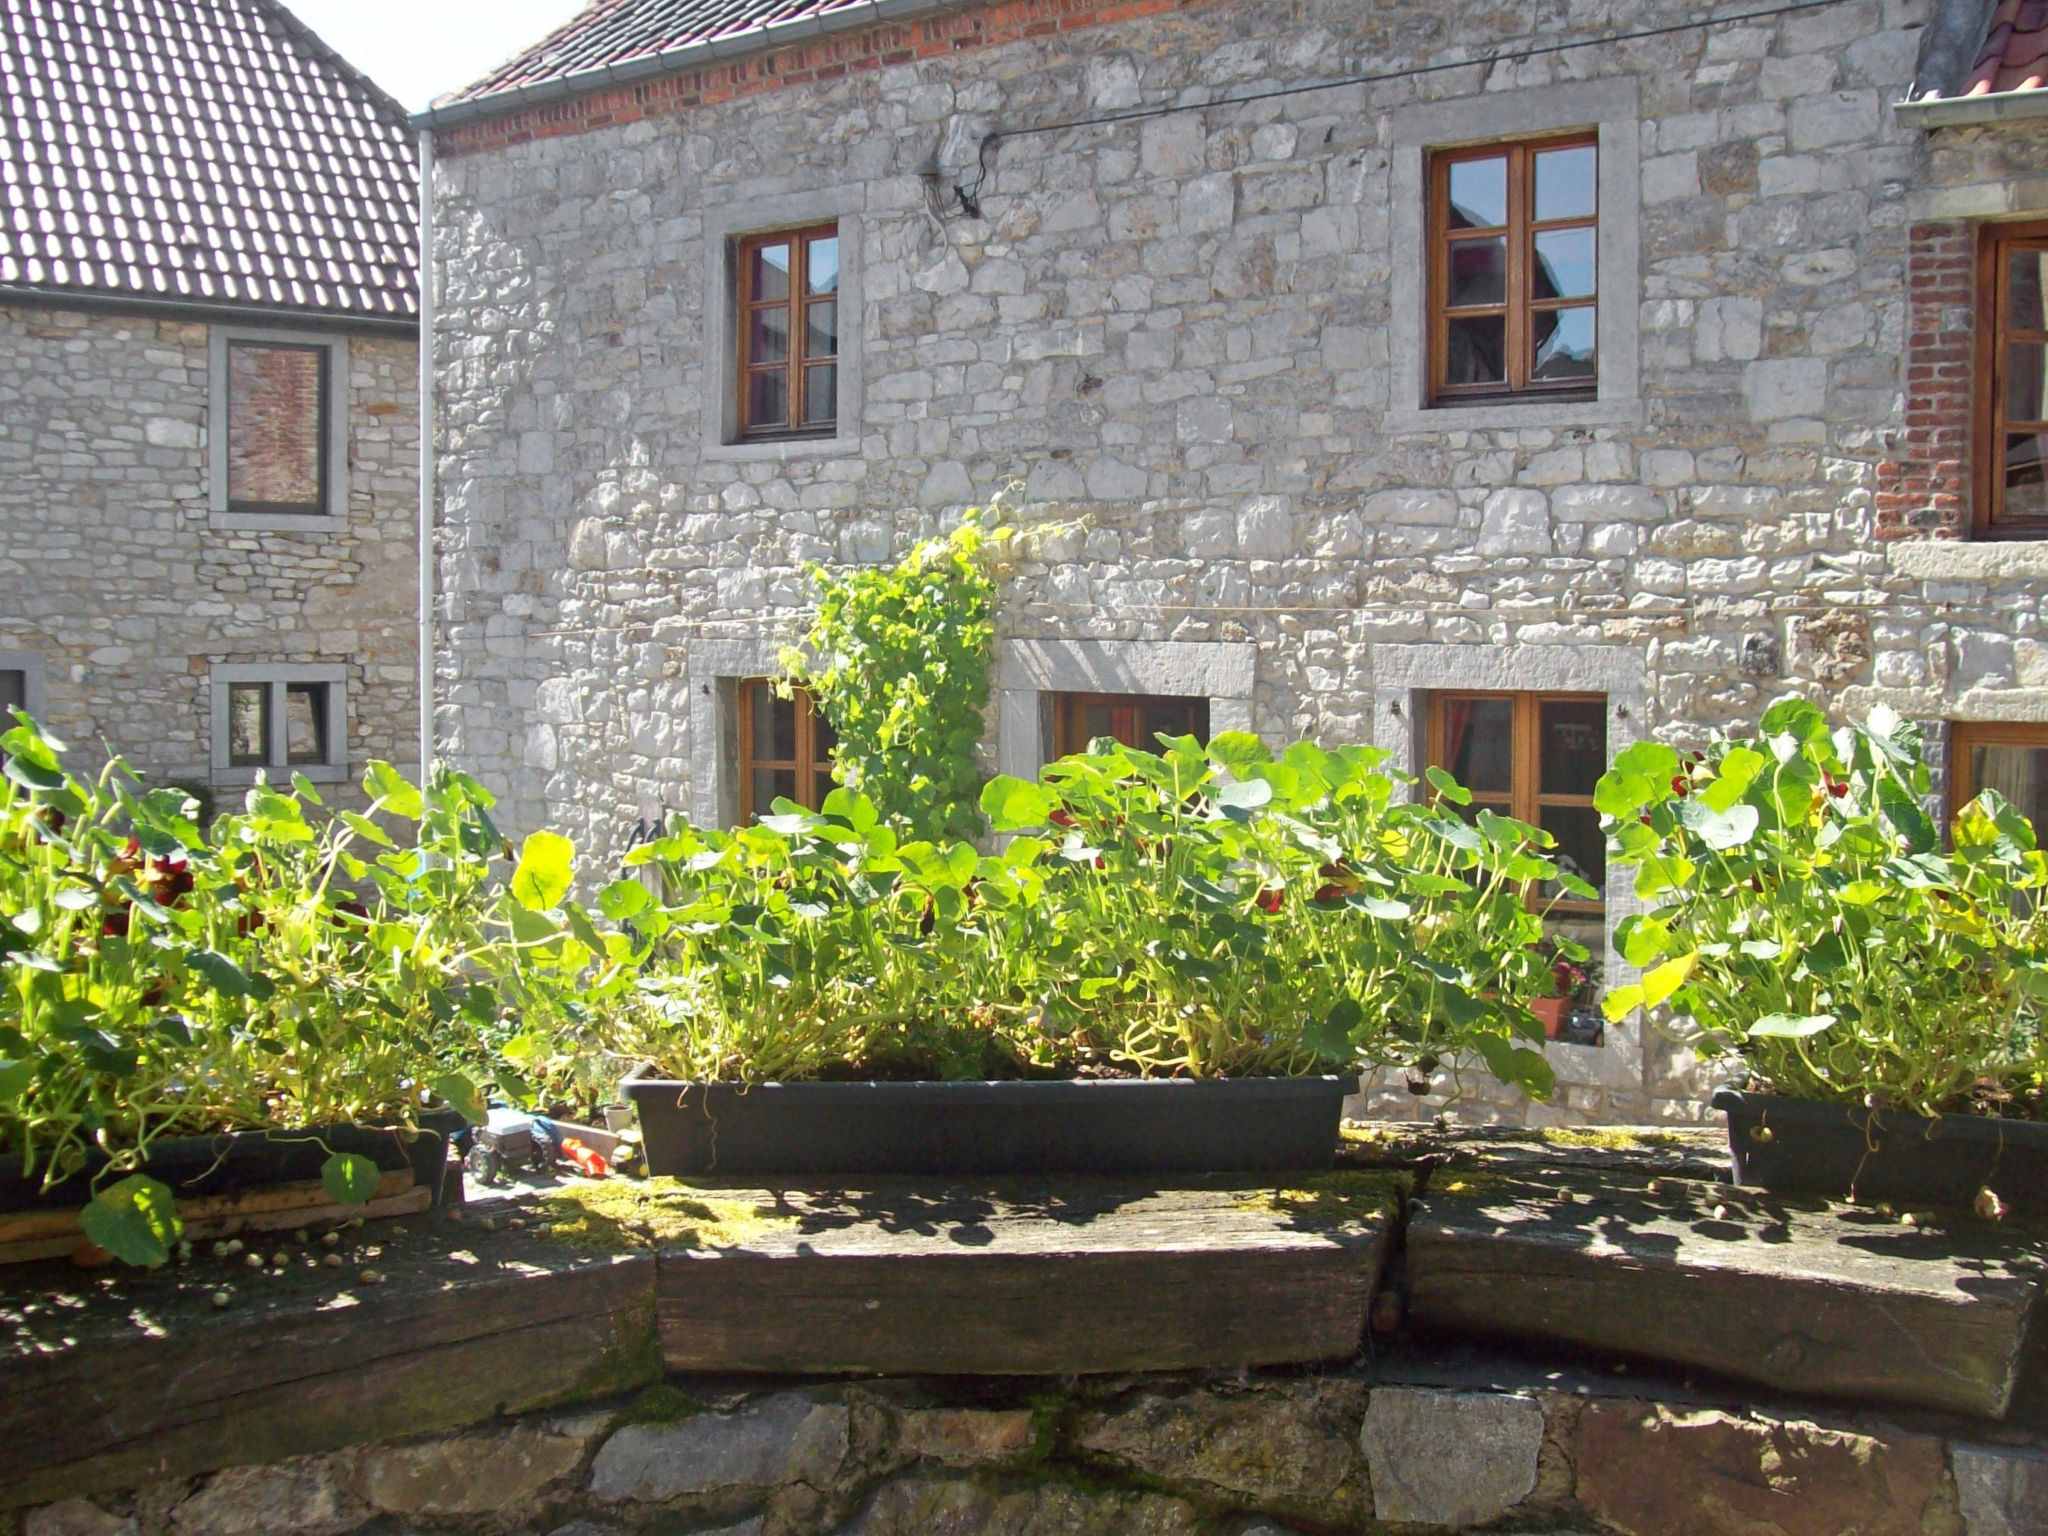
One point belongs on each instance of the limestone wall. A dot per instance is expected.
(114, 574)
(1268, 1455)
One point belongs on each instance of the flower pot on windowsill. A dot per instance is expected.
(1118, 1126)
(1551, 1010)
(1847, 1152)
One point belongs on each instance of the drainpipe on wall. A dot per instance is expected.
(426, 350)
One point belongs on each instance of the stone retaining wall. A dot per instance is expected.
(1265, 1455)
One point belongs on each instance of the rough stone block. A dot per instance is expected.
(913, 1508)
(1450, 1458)
(76, 1517)
(1516, 522)
(966, 1437)
(1607, 503)
(1653, 1470)
(765, 1444)
(303, 1497)
(2003, 1492)
(465, 1474)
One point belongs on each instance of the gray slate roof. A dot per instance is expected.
(611, 33)
(200, 152)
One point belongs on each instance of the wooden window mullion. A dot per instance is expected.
(1517, 366)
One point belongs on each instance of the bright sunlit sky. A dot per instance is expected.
(418, 49)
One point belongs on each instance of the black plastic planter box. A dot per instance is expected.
(196, 1167)
(1795, 1147)
(1110, 1127)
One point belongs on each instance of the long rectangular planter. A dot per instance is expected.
(200, 1167)
(1138, 1126)
(1845, 1152)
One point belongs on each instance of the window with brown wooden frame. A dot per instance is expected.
(1135, 719)
(2012, 383)
(788, 333)
(785, 749)
(1514, 269)
(2008, 756)
(1535, 757)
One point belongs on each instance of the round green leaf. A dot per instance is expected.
(349, 1177)
(135, 1220)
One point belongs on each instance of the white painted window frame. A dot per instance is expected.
(1031, 672)
(1403, 678)
(277, 676)
(1613, 109)
(334, 518)
(724, 228)
(30, 665)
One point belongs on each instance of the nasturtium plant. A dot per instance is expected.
(1200, 910)
(1805, 916)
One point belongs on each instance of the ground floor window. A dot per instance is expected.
(785, 748)
(2009, 757)
(13, 690)
(1135, 719)
(279, 720)
(1536, 757)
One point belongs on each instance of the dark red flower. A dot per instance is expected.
(114, 925)
(1838, 787)
(1061, 817)
(1681, 786)
(1330, 895)
(1270, 899)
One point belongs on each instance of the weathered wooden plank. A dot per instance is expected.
(110, 1381)
(406, 1199)
(1800, 1296)
(1013, 1281)
(23, 1226)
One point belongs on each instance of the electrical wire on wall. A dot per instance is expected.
(947, 166)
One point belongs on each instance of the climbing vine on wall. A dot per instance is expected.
(898, 663)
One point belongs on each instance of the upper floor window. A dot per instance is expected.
(788, 325)
(1135, 719)
(785, 749)
(1514, 263)
(277, 428)
(2012, 381)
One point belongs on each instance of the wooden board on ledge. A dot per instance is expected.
(1071, 1277)
(1804, 1297)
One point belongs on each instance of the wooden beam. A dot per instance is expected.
(118, 1379)
(1078, 1278)
(1800, 1296)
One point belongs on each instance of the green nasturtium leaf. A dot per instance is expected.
(547, 867)
(135, 1220)
(1442, 782)
(349, 1178)
(1787, 1026)
(392, 791)
(463, 1096)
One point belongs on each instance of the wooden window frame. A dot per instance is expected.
(1989, 424)
(806, 765)
(1964, 736)
(800, 299)
(1517, 306)
(323, 500)
(1068, 735)
(1525, 799)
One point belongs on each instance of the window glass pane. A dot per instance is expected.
(1097, 720)
(821, 329)
(1476, 350)
(2026, 366)
(768, 397)
(1479, 272)
(821, 786)
(770, 277)
(1171, 717)
(248, 725)
(821, 274)
(774, 726)
(2018, 773)
(1479, 193)
(2026, 488)
(1566, 183)
(274, 425)
(1581, 846)
(771, 784)
(2026, 281)
(821, 394)
(768, 339)
(1572, 744)
(13, 692)
(1479, 745)
(1564, 265)
(305, 723)
(1564, 344)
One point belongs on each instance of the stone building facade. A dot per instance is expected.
(209, 423)
(1193, 318)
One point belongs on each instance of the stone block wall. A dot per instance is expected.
(1265, 1455)
(114, 574)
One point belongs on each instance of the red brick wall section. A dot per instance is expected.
(1925, 492)
(819, 59)
(274, 424)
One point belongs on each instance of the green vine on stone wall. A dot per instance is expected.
(898, 663)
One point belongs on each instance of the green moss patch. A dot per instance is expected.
(625, 1216)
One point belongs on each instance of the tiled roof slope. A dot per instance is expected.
(2015, 52)
(614, 32)
(200, 152)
